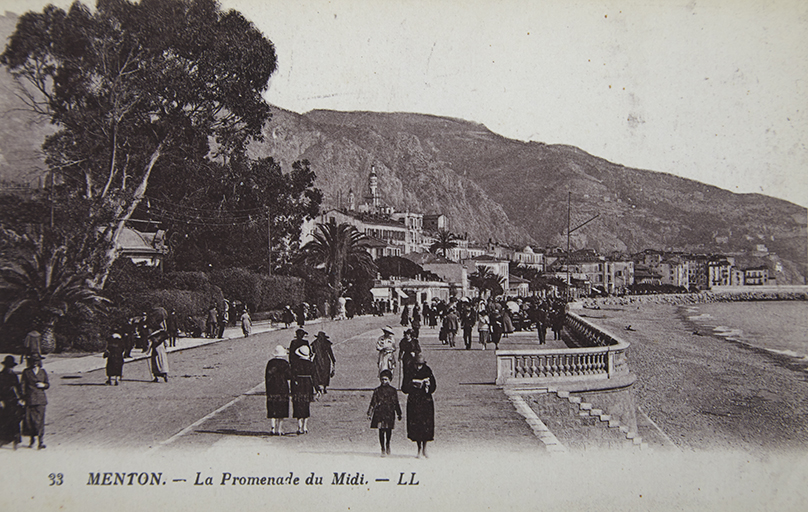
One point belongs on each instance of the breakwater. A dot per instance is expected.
(727, 294)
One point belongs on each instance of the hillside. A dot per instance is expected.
(428, 163)
(489, 186)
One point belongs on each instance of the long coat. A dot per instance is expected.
(277, 376)
(158, 360)
(420, 408)
(323, 362)
(11, 411)
(35, 401)
(302, 388)
(384, 407)
(114, 356)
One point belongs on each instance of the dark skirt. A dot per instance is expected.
(115, 365)
(302, 395)
(277, 406)
(34, 422)
(420, 417)
(10, 418)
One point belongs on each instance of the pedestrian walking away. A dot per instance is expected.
(34, 383)
(325, 363)
(384, 409)
(158, 357)
(277, 376)
(420, 408)
(246, 323)
(11, 411)
(173, 328)
(386, 347)
(114, 356)
(33, 343)
(302, 387)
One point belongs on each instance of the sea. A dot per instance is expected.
(777, 326)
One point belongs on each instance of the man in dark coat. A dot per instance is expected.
(173, 328)
(34, 384)
(451, 324)
(10, 409)
(420, 407)
(468, 321)
(277, 376)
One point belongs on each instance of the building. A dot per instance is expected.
(517, 286)
(498, 267)
(719, 272)
(527, 258)
(147, 249)
(453, 273)
(756, 276)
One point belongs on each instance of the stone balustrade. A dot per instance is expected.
(600, 363)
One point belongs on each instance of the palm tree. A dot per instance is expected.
(446, 240)
(484, 279)
(46, 286)
(341, 250)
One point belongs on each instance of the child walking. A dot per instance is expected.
(384, 409)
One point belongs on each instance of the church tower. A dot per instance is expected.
(374, 187)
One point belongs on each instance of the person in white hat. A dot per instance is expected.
(302, 387)
(386, 346)
(277, 376)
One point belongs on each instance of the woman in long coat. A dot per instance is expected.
(158, 358)
(302, 387)
(33, 385)
(114, 357)
(324, 362)
(10, 409)
(277, 376)
(420, 408)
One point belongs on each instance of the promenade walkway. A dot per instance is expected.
(471, 411)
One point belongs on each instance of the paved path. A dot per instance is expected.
(215, 396)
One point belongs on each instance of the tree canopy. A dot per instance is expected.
(137, 89)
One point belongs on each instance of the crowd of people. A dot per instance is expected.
(490, 318)
(300, 374)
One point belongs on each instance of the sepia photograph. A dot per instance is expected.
(404, 255)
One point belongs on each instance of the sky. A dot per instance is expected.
(715, 91)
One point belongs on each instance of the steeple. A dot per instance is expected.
(374, 185)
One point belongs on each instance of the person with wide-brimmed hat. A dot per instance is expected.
(33, 385)
(302, 387)
(324, 362)
(386, 347)
(419, 387)
(114, 356)
(297, 342)
(277, 376)
(10, 409)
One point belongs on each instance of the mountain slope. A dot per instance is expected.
(430, 163)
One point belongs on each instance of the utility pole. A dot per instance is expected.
(569, 231)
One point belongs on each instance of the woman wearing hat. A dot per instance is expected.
(10, 408)
(114, 357)
(277, 376)
(302, 387)
(386, 346)
(419, 387)
(34, 384)
(324, 362)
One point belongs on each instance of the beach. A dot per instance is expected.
(707, 391)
